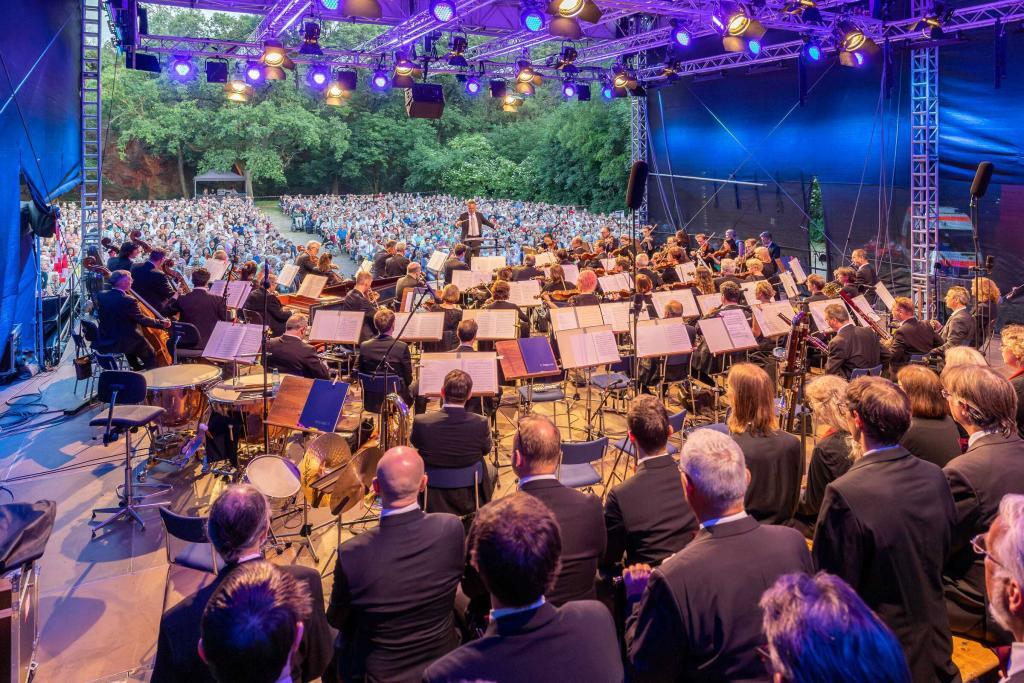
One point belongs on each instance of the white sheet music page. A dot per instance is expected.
(676, 335)
(817, 309)
(223, 342)
(217, 268)
(336, 327)
(885, 295)
(251, 343)
(616, 314)
(686, 271)
(524, 293)
(606, 350)
(217, 288)
(436, 261)
(863, 305)
(572, 272)
(433, 369)
(422, 326)
(238, 292)
(496, 324)
(798, 270)
(287, 275)
(767, 317)
(482, 366)
(365, 267)
(607, 263)
(738, 328)
(589, 316)
(563, 318)
(312, 285)
(748, 291)
(545, 258)
(788, 284)
(487, 264)
(709, 302)
(467, 279)
(662, 338)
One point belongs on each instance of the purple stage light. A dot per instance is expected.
(318, 76)
(254, 73)
(473, 85)
(532, 19)
(182, 69)
(380, 81)
(442, 10)
(569, 89)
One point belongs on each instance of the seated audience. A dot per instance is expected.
(646, 516)
(985, 405)
(394, 584)
(290, 354)
(536, 451)
(1003, 550)
(884, 528)
(515, 545)
(238, 526)
(696, 616)
(833, 451)
(819, 630)
(773, 457)
(1012, 347)
(933, 435)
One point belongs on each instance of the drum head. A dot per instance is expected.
(180, 376)
(273, 476)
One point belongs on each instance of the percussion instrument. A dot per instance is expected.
(243, 396)
(180, 391)
(273, 476)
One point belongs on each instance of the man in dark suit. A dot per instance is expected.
(514, 545)
(696, 617)
(277, 315)
(535, 455)
(500, 292)
(200, 308)
(865, 276)
(125, 259)
(397, 263)
(960, 325)
(373, 352)
(380, 259)
(238, 526)
(643, 267)
(528, 271)
(913, 336)
(394, 585)
(152, 284)
(851, 347)
(358, 299)
(471, 222)
(410, 281)
(815, 284)
(647, 517)
(457, 261)
(1002, 547)
(290, 354)
(984, 404)
(884, 527)
(119, 321)
(774, 250)
(454, 437)
(308, 262)
(728, 274)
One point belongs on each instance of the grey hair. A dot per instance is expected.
(313, 243)
(1009, 547)
(713, 463)
(413, 267)
(728, 265)
(296, 321)
(117, 275)
(963, 355)
(237, 520)
(642, 260)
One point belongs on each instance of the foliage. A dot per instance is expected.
(287, 139)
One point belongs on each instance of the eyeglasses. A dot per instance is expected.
(979, 544)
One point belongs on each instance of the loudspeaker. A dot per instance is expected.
(141, 61)
(424, 101)
(583, 92)
(637, 185)
(498, 88)
(981, 179)
(216, 71)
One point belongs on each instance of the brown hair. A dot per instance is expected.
(647, 421)
(643, 284)
(538, 441)
(904, 304)
(815, 282)
(923, 388)
(450, 294)
(458, 385)
(883, 407)
(500, 290)
(764, 288)
(705, 283)
(752, 398)
(730, 291)
(987, 397)
(845, 273)
(467, 330)
(384, 320)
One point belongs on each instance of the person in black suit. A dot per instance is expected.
(125, 258)
(774, 250)
(933, 435)
(985, 405)
(864, 277)
(960, 327)
(238, 526)
(528, 271)
(774, 458)
(499, 301)
(397, 263)
(380, 259)
(454, 437)
(643, 263)
(1002, 547)
(373, 352)
(252, 625)
(200, 308)
(394, 585)
(696, 616)
(884, 528)
(308, 262)
(847, 278)
(815, 284)
(514, 545)
(119, 320)
(290, 354)
(457, 261)
(912, 337)
(728, 274)
(536, 451)
(358, 299)
(471, 223)
(646, 517)
(851, 347)
(277, 315)
(152, 285)
(587, 284)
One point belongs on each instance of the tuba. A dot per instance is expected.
(394, 423)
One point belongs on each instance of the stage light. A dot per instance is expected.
(580, 9)
(607, 91)
(532, 19)
(755, 47)
(526, 89)
(854, 40)
(442, 10)
(254, 73)
(336, 93)
(623, 79)
(498, 88)
(511, 103)
(568, 89)
(380, 82)
(367, 9)
(347, 80)
(737, 23)
(237, 90)
(566, 61)
(524, 71)
(565, 27)
(311, 39)
(472, 85)
(182, 68)
(404, 66)
(318, 76)
(854, 46)
(276, 57)
(329, 4)
(680, 35)
(457, 46)
(216, 71)
(811, 50)
(570, 8)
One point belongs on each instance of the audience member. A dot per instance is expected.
(833, 451)
(933, 435)
(1003, 551)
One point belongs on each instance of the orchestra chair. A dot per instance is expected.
(866, 372)
(530, 393)
(252, 317)
(104, 360)
(373, 392)
(575, 467)
(614, 383)
(183, 341)
(192, 561)
(82, 350)
(124, 391)
(445, 478)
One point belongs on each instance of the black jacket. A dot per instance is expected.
(481, 220)
(293, 356)
(699, 618)
(357, 301)
(1017, 382)
(153, 286)
(453, 437)
(583, 538)
(866, 277)
(119, 320)
(575, 642)
(277, 315)
(776, 464)
(647, 517)
(307, 266)
(396, 265)
(913, 336)
(201, 309)
(831, 458)
(852, 348)
(372, 352)
(450, 266)
(937, 441)
(380, 260)
(177, 656)
(884, 528)
(394, 596)
(991, 468)
(526, 273)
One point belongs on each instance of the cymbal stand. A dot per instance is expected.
(302, 536)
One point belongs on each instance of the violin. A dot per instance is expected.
(563, 295)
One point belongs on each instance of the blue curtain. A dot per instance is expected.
(40, 142)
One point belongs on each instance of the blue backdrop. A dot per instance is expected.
(40, 142)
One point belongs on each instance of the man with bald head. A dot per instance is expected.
(394, 585)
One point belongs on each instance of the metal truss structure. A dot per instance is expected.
(638, 115)
(91, 61)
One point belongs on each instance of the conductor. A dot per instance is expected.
(471, 222)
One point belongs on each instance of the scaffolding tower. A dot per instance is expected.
(638, 110)
(91, 189)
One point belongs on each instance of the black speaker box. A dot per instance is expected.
(424, 101)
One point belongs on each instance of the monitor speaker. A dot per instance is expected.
(424, 101)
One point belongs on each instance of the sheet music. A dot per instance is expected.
(217, 287)
(238, 292)
(234, 341)
(487, 264)
(607, 263)
(798, 270)
(563, 318)
(686, 271)
(817, 309)
(467, 279)
(767, 317)
(492, 323)
(545, 258)
(287, 275)
(789, 285)
(421, 327)
(587, 349)
(863, 305)
(216, 267)
(572, 272)
(436, 262)
(589, 316)
(365, 267)
(336, 327)
(524, 293)
(250, 345)
(312, 286)
(683, 296)
(885, 295)
(738, 328)
(662, 338)
(709, 302)
(482, 366)
(748, 291)
(715, 335)
(615, 283)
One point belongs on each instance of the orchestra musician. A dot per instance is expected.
(499, 300)
(373, 352)
(986, 306)
(577, 247)
(774, 250)
(119, 320)
(555, 283)
(380, 259)
(290, 353)
(643, 267)
(668, 271)
(852, 347)
(397, 263)
(449, 305)
(125, 258)
(411, 280)
(308, 262)
(729, 247)
(865, 275)
(913, 336)
(959, 327)
(728, 273)
(705, 283)
(815, 285)
(845, 275)
(607, 240)
(647, 241)
(563, 257)
(471, 222)
(703, 248)
(528, 271)
(200, 308)
(763, 254)
(277, 315)
(151, 284)
(755, 270)
(675, 367)
(329, 269)
(547, 243)
(641, 299)
(361, 298)
(457, 261)
(587, 286)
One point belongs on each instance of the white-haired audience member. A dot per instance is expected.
(1003, 550)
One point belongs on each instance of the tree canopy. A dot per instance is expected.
(287, 140)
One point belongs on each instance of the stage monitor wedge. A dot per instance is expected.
(424, 101)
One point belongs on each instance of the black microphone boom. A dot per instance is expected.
(637, 185)
(982, 177)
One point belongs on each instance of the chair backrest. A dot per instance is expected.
(455, 477)
(374, 389)
(252, 317)
(107, 361)
(866, 372)
(676, 421)
(80, 345)
(581, 452)
(917, 358)
(90, 330)
(717, 426)
(625, 366)
(185, 335)
(129, 386)
(183, 527)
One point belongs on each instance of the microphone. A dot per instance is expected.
(982, 177)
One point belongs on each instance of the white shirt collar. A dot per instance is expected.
(722, 520)
(970, 442)
(536, 477)
(253, 556)
(453, 405)
(507, 611)
(387, 512)
(1016, 663)
(651, 457)
(849, 324)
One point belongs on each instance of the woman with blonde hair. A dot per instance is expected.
(773, 457)
(956, 356)
(1012, 347)
(986, 306)
(449, 305)
(833, 453)
(705, 280)
(933, 435)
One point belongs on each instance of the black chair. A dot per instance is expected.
(866, 372)
(198, 552)
(124, 390)
(106, 360)
(183, 341)
(445, 478)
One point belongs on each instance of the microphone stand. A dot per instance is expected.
(979, 328)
